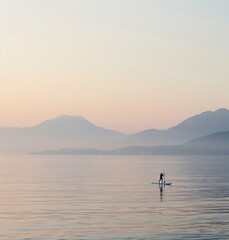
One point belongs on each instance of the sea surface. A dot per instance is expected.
(112, 197)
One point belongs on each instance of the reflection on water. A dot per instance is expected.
(161, 188)
(72, 197)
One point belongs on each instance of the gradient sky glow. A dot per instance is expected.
(126, 65)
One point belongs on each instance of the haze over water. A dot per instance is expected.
(111, 197)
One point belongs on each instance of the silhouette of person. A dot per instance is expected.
(161, 178)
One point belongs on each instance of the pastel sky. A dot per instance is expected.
(126, 65)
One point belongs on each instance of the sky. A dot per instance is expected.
(125, 65)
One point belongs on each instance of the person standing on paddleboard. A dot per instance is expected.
(161, 178)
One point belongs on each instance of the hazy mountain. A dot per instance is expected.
(193, 127)
(202, 124)
(72, 127)
(71, 151)
(63, 131)
(77, 132)
(216, 143)
(213, 144)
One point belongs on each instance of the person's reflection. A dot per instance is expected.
(161, 188)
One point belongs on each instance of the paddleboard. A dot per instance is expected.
(162, 184)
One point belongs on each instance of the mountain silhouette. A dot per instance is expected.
(216, 143)
(67, 131)
(77, 132)
(72, 127)
(196, 126)
(213, 144)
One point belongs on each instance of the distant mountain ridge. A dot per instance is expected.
(77, 132)
(193, 127)
(71, 126)
(70, 131)
(213, 144)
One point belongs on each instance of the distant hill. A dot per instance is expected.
(71, 151)
(214, 144)
(220, 138)
(196, 126)
(72, 127)
(63, 131)
(71, 132)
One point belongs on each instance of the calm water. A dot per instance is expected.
(75, 197)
